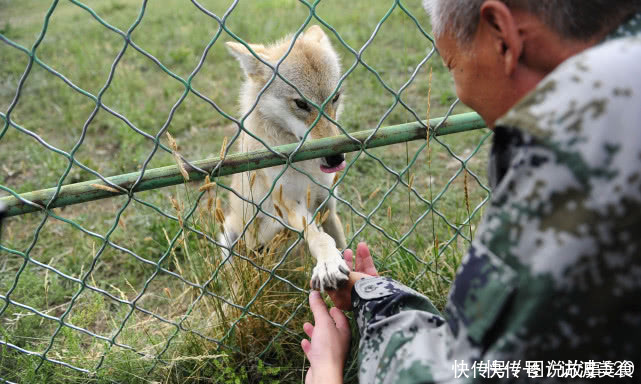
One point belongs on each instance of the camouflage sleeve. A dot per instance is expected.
(403, 336)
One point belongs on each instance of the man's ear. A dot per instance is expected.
(499, 21)
(248, 62)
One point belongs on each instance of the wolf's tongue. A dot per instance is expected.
(337, 168)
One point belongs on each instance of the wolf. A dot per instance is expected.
(283, 116)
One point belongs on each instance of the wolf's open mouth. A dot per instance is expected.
(337, 168)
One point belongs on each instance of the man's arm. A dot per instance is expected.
(403, 336)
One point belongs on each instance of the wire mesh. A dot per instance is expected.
(211, 312)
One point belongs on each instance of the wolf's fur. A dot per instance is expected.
(313, 67)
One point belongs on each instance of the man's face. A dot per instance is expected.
(479, 75)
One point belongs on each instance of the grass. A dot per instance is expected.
(262, 344)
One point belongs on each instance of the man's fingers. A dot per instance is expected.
(364, 261)
(306, 345)
(339, 318)
(309, 378)
(348, 255)
(318, 307)
(309, 329)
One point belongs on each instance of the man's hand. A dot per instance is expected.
(342, 297)
(330, 336)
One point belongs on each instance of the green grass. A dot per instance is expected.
(176, 33)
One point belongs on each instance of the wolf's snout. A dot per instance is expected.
(334, 161)
(331, 164)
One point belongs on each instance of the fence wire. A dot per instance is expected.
(187, 225)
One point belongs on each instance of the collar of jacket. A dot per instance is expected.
(630, 27)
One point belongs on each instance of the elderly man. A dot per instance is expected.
(551, 285)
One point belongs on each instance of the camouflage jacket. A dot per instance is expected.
(551, 285)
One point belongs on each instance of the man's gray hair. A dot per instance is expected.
(572, 19)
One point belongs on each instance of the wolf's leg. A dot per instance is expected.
(334, 227)
(238, 213)
(262, 231)
(232, 227)
(330, 270)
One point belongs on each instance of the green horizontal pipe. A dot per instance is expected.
(240, 162)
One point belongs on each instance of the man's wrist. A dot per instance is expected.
(342, 297)
(355, 277)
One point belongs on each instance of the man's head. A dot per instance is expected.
(498, 50)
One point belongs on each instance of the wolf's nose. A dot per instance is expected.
(333, 161)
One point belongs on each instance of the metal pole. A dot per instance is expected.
(240, 162)
(3, 211)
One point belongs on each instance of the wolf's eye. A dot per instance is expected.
(302, 104)
(335, 99)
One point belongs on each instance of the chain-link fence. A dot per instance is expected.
(133, 279)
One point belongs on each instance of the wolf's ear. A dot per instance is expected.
(315, 33)
(250, 64)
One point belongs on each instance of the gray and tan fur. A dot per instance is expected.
(282, 116)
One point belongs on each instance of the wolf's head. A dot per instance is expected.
(313, 67)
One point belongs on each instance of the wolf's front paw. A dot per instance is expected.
(329, 274)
